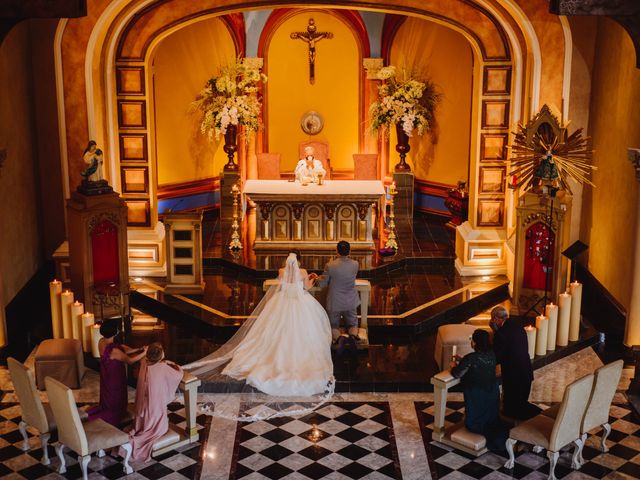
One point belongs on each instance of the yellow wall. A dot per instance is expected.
(335, 94)
(609, 211)
(445, 57)
(183, 62)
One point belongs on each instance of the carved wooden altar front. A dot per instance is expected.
(291, 215)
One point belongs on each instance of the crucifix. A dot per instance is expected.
(311, 37)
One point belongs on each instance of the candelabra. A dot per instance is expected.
(235, 243)
(391, 239)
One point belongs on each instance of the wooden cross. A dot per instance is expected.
(311, 36)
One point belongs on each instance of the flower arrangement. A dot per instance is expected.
(407, 101)
(230, 99)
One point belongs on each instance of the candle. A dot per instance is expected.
(551, 312)
(564, 310)
(66, 299)
(576, 301)
(55, 289)
(87, 322)
(454, 350)
(531, 339)
(542, 324)
(95, 338)
(77, 309)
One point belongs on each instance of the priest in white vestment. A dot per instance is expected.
(309, 168)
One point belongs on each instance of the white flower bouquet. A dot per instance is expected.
(230, 99)
(408, 102)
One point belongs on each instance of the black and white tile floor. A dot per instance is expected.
(357, 435)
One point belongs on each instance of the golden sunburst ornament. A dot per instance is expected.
(543, 154)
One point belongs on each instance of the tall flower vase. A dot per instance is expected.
(230, 147)
(402, 148)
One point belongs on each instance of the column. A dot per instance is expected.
(632, 328)
(371, 83)
(255, 138)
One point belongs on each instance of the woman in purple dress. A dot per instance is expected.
(113, 375)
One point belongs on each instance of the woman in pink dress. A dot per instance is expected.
(113, 375)
(157, 384)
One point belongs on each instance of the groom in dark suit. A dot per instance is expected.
(342, 298)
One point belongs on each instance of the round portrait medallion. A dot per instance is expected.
(311, 123)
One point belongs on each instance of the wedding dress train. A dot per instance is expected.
(284, 347)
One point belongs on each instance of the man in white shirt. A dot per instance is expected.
(309, 167)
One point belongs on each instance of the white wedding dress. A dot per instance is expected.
(284, 347)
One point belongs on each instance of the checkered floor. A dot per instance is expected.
(341, 440)
(16, 464)
(621, 462)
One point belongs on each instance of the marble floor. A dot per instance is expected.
(355, 435)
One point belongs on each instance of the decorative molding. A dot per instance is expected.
(371, 67)
(634, 158)
(182, 189)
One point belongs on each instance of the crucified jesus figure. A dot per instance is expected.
(311, 37)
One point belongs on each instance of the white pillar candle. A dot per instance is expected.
(87, 322)
(576, 301)
(95, 338)
(531, 339)
(55, 289)
(454, 350)
(551, 312)
(564, 311)
(66, 299)
(542, 324)
(77, 309)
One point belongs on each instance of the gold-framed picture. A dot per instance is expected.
(495, 114)
(490, 212)
(493, 147)
(134, 179)
(492, 179)
(132, 114)
(133, 147)
(496, 80)
(138, 213)
(130, 80)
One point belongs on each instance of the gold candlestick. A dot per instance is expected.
(235, 243)
(391, 239)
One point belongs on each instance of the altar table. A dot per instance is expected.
(292, 215)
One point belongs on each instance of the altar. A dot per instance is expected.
(292, 215)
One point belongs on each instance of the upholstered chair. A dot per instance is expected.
(321, 153)
(554, 434)
(605, 385)
(35, 414)
(365, 166)
(268, 166)
(83, 438)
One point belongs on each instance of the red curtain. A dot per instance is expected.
(538, 255)
(104, 249)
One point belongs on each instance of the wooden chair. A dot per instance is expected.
(365, 166)
(268, 166)
(321, 153)
(605, 385)
(35, 414)
(554, 434)
(83, 438)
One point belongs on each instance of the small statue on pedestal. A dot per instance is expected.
(93, 182)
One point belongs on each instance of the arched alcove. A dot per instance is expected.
(335, 93)
(181, 64)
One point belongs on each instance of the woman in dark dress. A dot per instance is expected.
(113, 375)
(477, 370)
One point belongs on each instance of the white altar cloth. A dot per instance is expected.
(329, 187)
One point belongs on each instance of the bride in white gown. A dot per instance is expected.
(284, 347)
